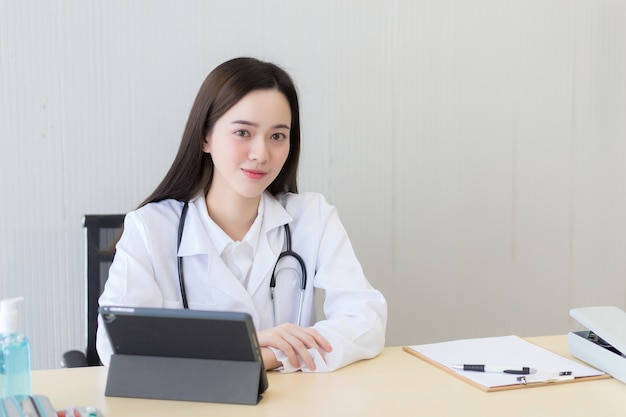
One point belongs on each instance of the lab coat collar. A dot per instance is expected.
(196, 238)
(275, 214)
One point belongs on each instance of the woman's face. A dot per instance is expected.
(249, 144)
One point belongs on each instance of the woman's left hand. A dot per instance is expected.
(295, 342)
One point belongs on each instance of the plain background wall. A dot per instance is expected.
(474, 148)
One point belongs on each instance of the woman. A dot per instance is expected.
(234, 177)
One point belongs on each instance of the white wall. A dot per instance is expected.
(475, 149)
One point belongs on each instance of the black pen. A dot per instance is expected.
(517, 370)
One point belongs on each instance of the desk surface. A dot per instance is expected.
(393, 384)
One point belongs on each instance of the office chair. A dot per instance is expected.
(100, 230)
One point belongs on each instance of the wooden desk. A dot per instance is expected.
(393, 384)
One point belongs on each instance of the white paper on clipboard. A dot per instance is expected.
(501, 350)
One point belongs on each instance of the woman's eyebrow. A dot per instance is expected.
(248, 123)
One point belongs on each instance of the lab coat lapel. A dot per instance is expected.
(270, 244)
(195, 239)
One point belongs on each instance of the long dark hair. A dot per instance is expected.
(192, 169)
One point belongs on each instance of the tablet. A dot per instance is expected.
(179, 333)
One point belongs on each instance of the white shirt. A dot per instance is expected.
(238, 256)
(144, 274)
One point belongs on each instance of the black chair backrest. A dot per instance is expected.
(101, 231)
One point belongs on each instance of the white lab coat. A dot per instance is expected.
(144, 274)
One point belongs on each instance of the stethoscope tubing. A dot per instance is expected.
(181, 276)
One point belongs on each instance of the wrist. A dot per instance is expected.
(269, 359)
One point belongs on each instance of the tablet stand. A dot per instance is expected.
(184, 379)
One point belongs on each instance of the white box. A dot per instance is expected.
(604, 344)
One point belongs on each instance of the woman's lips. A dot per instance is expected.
(254, 174)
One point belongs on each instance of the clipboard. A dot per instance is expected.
(504, 350)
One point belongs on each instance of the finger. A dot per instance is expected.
(282, 339)
(318, 341)
(297, 349)
(311, 339)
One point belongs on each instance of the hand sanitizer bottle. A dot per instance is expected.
(14, 353)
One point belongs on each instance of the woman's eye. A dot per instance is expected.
(278, 136)
(242, 133)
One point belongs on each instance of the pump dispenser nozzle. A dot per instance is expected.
(8, 315)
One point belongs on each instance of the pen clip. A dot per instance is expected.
(546, 378)
(524, 371)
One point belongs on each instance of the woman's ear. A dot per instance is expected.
(205, 145)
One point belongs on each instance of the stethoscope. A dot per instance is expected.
(287, 252)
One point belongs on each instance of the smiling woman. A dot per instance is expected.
(228, 212)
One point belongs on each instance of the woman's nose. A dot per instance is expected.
(258, 149)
